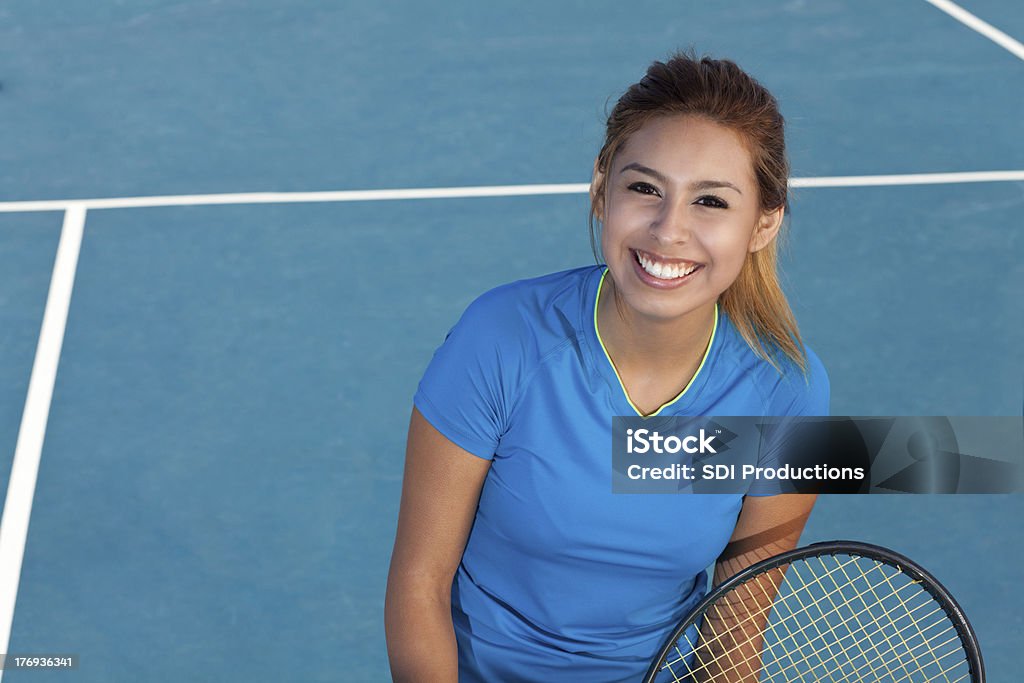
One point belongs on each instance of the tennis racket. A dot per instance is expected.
(838, 611)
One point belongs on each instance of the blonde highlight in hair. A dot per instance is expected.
(718, 90)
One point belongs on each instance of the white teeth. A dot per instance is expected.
(664, 271)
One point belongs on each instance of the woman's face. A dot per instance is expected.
(681, 214)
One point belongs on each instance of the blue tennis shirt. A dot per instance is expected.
(561, 579)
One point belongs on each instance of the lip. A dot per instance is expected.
(658, 283)
(664, 259)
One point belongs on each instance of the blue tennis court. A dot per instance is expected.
(217, 492)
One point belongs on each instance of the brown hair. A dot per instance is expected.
(718, 90)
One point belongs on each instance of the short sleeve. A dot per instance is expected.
(813, 398)
(469, 386)
(797, 395)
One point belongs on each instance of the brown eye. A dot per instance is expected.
(644, 188)
(713, 202)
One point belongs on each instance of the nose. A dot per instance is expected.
(673, 223)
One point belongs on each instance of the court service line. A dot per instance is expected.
(465, 192)
(25, 468)
(983, 27)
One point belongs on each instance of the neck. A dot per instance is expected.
(637, 340)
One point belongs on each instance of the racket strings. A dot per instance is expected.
(726, 643)
(863, 628)
(816, 674)
(754, 616)
(858, 620)
(790, 635)
(900, 632)
(879, 599)
(732, 670)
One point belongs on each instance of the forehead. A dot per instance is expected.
(689, 148)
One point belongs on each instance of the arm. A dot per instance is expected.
(766, 526)
(440, 492)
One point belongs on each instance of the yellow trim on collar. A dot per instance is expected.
(707, 352)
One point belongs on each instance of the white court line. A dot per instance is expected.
(295, 197)
(22, 485)
(465, 192)
(905, 179)
(983, 27)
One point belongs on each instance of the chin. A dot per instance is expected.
(663, 310)
(662, 306)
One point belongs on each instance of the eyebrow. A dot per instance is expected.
(697, 185)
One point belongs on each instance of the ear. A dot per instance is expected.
(596, 200)
(767, 228)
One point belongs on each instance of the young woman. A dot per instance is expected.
(513, 559)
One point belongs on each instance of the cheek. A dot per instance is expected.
(622, 219)
(617, 229)
(728, 248)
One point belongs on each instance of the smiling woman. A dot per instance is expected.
(680, 212)
(513, 559)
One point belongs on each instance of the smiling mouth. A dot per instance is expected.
(664, 270)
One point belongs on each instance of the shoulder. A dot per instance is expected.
(476, 377)
(802, 393)
(540, 311)
(786, 390)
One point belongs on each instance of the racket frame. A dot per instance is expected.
(915, 571)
